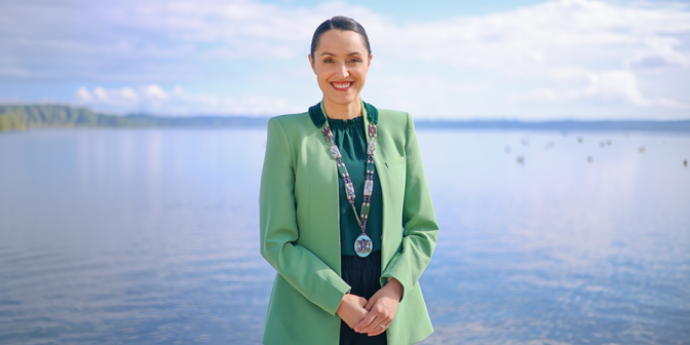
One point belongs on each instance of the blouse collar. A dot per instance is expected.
(317, 113)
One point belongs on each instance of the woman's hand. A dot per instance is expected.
(351, 309)
(382, 307)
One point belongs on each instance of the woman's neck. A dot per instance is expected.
(343, 111)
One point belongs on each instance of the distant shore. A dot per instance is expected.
(25, 117)
(627, 125)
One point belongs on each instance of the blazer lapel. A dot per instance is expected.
(384, 180)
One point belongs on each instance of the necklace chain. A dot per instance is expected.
(349, 188)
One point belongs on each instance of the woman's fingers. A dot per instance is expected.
(381, 314)
(373, 326)
(379, 327)
(372, 322)
(351, 309)
(353, 318)
(366, 322)
(379, 331)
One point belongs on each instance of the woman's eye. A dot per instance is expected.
(355, 60)
(328, 61)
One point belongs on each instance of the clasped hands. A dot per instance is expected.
(367, 317)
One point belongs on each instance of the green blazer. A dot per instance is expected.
(300, 235)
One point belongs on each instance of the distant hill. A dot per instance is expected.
(632, 126)
(23, 117)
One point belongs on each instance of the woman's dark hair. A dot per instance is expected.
(339, 23)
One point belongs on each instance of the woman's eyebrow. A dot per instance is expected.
(331, 54)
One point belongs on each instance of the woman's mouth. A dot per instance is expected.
(342, 86)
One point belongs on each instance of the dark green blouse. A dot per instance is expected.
(352, 142)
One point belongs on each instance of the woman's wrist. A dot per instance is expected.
(396, 287)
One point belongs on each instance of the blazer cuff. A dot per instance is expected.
(334, 297)
(407, 286)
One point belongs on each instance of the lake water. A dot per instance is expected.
(146, 236)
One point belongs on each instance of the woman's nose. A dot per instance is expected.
(342, 72)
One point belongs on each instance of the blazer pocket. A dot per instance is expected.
(395, 161)
(396, 170)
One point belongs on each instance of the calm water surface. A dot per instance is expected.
(151, 236)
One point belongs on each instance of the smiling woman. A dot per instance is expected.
(345, 272)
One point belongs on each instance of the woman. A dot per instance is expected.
(339, 183)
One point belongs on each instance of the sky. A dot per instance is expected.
(486, 60)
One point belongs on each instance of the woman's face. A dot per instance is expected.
(341, 62)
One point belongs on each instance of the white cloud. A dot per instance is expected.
(121, 96)
(615, 86)
(153, 98)
(547, 35)
(607, 86)
(551, 35)
(247, 47)
(83, 95)
(155, 93)
(659, 53)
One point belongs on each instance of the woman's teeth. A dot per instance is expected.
(342, 85)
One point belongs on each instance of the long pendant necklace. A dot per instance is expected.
(363, 244)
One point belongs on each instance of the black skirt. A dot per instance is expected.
(362, 274)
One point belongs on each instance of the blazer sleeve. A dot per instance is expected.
(305, 271)
(419, 221)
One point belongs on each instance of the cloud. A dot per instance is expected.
(659, 53)
(155, 93)
(122, 96)
(153, 98)
(607, 86)
(144, 40)
(178, 34)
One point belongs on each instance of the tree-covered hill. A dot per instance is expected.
(22, 117)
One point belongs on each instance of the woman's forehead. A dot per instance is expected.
(336, 42)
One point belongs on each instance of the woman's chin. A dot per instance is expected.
(343, 98)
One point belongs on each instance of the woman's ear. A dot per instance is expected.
(311, 62)
(371, 56)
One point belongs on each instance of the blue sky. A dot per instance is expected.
(527, 60)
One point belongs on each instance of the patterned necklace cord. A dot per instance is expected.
(349, 188)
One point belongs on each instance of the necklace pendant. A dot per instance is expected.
(372, 130)
(371, 148)
(363, 245)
